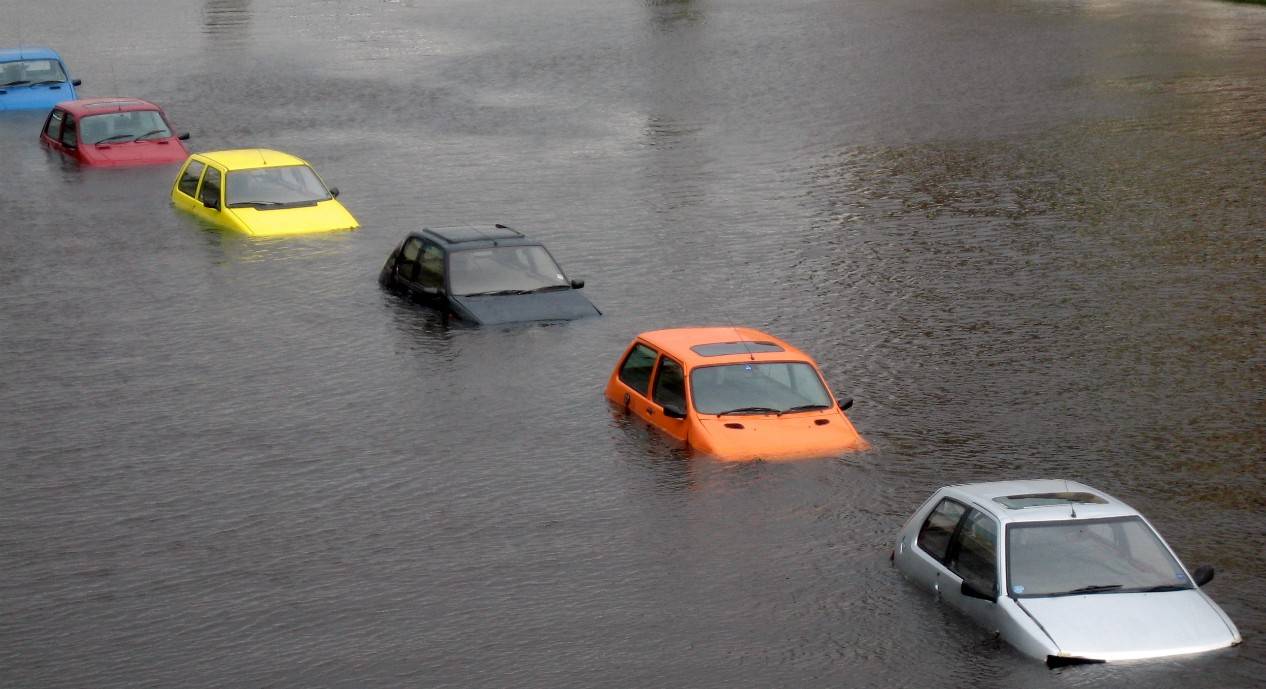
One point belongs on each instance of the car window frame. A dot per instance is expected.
(197, 181)
(70, 125)
(402, 260)
(655, 378)
(61, 120)
(619, 372)
(949, 544)
(954, 548)
(442, 288)
(202, 180)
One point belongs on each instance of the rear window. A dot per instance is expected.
(189, 178)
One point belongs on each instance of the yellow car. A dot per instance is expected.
(261, 192)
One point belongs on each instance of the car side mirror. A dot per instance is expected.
(1202, 575)
(972, 592)
(184, 136)
(76, 82)
(673, 412)
(213, 204)
(577, 284)
(334, 192)
(846, 403)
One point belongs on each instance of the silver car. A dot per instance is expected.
(1061, 571)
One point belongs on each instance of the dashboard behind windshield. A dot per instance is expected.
(274, 186)
(1117, 555)
(504, 269)
(30, 72)
(779, 386)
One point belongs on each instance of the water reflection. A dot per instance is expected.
(666, 14)
(227, 22)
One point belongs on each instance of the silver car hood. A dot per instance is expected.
(1130, 626)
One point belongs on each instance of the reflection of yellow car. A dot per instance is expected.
(260, 192)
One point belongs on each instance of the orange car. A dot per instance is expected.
(734, 393)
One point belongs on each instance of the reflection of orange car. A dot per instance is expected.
(734, 393)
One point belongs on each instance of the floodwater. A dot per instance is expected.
(1025, 236)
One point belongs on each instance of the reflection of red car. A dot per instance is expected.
(112, 132)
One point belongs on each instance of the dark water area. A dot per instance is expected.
(1025, 236)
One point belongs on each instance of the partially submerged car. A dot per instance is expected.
(111, 132)
(33, 79)
(1061, 571)
(484, 274)
(260, 192)
(732, 393)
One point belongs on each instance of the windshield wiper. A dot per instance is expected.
(1165, 587)
(804, 407)
(19, 82)
(46, 82)
(749, 410)
(152, 132)
(112, 138)
(548, 288)
(1096, 588)
(255, 204)
(497, 293)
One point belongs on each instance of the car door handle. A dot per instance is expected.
(650, 410)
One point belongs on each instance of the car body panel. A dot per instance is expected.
(1141, 625)
(328, 215)
(33, 96)
(544, 306)
(745, 437)
(166, 150)
(1105, 626)
(566, 303)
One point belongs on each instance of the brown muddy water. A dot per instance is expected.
(1026, 237)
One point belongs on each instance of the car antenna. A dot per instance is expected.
(1072, 507)
(262, 159)
(743, 341)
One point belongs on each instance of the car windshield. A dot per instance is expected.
(1119, 555)
(20, 72)
(274, 186)
(753, 387)
(122, 127)
(504, 270)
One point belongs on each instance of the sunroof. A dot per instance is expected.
(745, 347)
(1019, 502)
(475, 232)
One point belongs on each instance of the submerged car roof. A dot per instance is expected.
(250, 158)
(721, 345)
(28, 53)
(459, 237)
(1040, 500)
(85, 107)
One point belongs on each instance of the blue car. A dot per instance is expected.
(33, 79)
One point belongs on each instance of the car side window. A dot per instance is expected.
(407, 262)
(432, 272)
(210, 191)
(938, 528)
(670, 385)
(53, 128)
(635, 372)
(69, 136)
(189, 178)
(974, 554)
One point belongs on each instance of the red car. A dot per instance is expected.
(112, 132)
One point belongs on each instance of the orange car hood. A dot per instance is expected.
(791, 436)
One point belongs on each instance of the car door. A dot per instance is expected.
(668, 390)
(429, 285)
(185, 193)
(932, 545)
(210, 205)
(51, 134)
(69, 136)
(973, 558)
(634, 380)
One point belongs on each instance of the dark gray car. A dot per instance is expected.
(484, 274)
